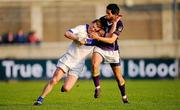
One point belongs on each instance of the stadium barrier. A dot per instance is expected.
(42, 69)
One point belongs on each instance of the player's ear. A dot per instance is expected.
(120, 15)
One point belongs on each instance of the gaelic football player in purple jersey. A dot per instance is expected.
(107, 49)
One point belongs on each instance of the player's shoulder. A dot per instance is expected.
(78, 28)
(120, 23)
(120, 26)
(103, 19)
(81, 27)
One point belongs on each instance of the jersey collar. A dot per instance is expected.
(87, 26)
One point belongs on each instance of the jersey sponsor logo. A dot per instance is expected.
(120, 29)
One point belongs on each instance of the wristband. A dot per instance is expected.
(89, 41)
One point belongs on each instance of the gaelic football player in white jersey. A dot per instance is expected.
(72, 62)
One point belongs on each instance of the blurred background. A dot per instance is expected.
(149, 43)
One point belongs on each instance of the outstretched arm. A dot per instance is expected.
(109, 40)
(71, 36)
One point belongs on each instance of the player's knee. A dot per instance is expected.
(53, 81)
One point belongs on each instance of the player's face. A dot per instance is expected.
(109, 15)
(94, 27)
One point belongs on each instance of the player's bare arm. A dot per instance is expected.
(114, 24)
(113, 28)
(110, 37)
(71, 36)
(109, 40)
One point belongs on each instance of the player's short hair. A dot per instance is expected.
(114, 8)
(98, 22)
(101, 32)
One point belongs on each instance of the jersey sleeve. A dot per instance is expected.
(91, 42)
(119, 28)
(76, 30)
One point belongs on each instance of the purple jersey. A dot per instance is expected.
(107, 27)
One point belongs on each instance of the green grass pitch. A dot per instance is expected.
(143, 95)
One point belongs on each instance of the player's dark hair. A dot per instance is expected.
(114, 8)
(98, 22)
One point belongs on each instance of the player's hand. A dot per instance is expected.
(94, 35)
(118, 17)
(82, 42)
(101, 33)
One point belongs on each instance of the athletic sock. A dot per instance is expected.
(96, 81)
(122, 89)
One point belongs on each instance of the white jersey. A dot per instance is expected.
(75, 56)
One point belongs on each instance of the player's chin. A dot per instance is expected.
(108, 17)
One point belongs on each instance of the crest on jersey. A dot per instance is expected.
(120, 29)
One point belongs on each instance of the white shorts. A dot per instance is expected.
(71, 71)
(108, 55)
(70, 66)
